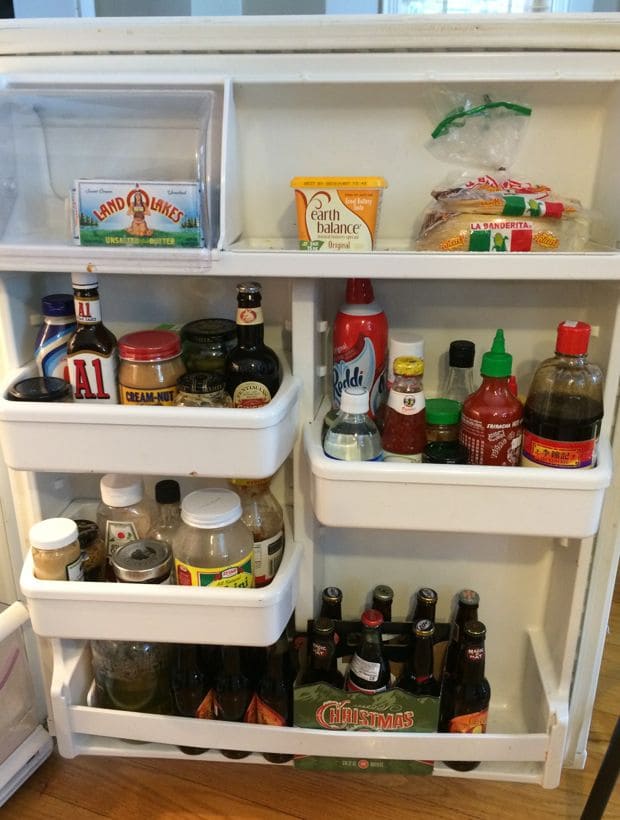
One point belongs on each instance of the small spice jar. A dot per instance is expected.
(41, 388)
(143, 562)
(150, 365)
(92, 545)
(442, 419)
(56, 553)
(206, 343)
(202, 390)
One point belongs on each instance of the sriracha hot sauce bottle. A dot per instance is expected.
(360, 345)
(492, 418)
(92, 352)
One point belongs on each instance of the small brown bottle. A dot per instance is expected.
(274, 702)
(92, 352)
(418, 677)
(467, 610)
(232, 692)
(252, 369)
(322, 663)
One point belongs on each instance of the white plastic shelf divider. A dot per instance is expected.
(455, 498)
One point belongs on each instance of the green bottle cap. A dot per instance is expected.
(443, 411)
(496, 362)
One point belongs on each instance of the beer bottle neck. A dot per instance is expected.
(471, 663)
(370, 647)
(423, 658)
(231, 660)
(384, 606)
(323, 654)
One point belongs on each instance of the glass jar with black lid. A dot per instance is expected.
(202, 390)
(206, 343)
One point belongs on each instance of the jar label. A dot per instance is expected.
(472, 724)
(118, 533)
(93, 377)
(238, 574)
(544, 452)
(408, 404)
(267, 558)
(153, 396)
(251, 394)
(75, 570)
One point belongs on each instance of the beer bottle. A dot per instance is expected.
(467, 610)
(425, 605)
(323, 663)
(369, 671)
(232, 692)
(92, 352)
(465, 698)
(274, 702)
(382, 598)
(252, 369)
(189, 684)
(417, 676)
(331, 603)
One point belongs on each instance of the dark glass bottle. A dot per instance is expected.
(369, 671)
(189, 684)
(467, 610)
(382, 598)
(92, 351)
(232, 692)
(465, 699)
(425, 605)
(331, 603)
(252, 369)
(274, 706)
(322, 662)
(417, 676)
(168, 498)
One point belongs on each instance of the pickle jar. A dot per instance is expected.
(206, 342)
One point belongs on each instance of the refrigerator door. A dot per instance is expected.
(24, 743)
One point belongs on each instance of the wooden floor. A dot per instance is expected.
(91, 787)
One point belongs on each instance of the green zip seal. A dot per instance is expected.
(445, 124)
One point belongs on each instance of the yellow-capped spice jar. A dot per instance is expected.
(150, 366)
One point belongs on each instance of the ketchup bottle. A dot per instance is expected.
(492, 418)
(360, 344)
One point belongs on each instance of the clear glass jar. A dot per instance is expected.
(202, 390)
(442, 420)
(150, 365)
(92, 545)
(132, 675)
(206, 343)
(123, 513)
(262, 513)
(213, 546)
(56, 553)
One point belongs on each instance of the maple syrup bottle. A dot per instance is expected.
(92, 352)
(252, 369)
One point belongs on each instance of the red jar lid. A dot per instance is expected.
(573, 338)
(149, 345)
(372, 617)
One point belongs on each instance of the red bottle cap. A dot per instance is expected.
(149, 345)
(372, 617)
(573, 338)
(359, 292)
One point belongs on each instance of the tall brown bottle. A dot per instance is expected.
(92, 353)
(425, 605)
(322, 662)
(274, 703)
(418, 677)
(252, 369)
(232, 692)
(465, 698)
(467, 610)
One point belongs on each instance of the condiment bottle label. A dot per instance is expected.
(87, 309)
(75, 570)
(154, 396)
(118, 533)
(249, 316)
(544, 452)
(251, 394)
(267, 558)
(471, 724)
(367, 670)
(354, 367)
(408, 404)
(93, 377)
(498, 443)
(233, 575)
(353, 687)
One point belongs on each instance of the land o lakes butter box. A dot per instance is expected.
(146, 214)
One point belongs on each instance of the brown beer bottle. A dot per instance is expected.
(189, 684)
(92, 353)
(331, 603)
(382, 598)
(252, 369)
(417, 676)
(467, 610)
(232, 692)
(465, 698)
(369, 671)
(323, 663)
(274, 702)
(425, 605)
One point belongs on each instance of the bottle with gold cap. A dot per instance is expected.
(263, 515)
(404, 429)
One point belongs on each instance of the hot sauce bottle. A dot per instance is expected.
(404, 428)
(492, 418)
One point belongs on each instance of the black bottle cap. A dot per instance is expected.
(427, 595)
(249, 287)
(383, 593)
(167, 492)
(332, 595)
(461, 353)
(323, 626)
(475, 629)
(201, 383)
(40, 388)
